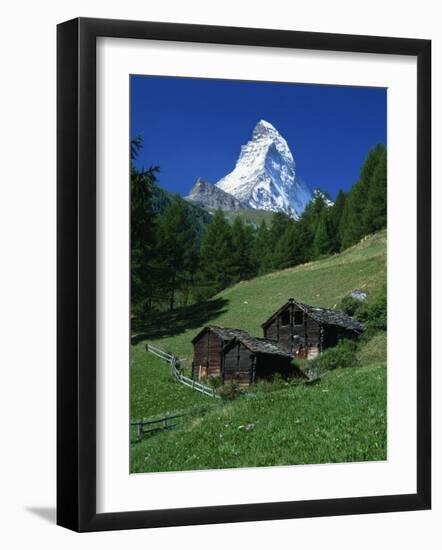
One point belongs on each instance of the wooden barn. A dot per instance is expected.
(305, 331)
(233, 354)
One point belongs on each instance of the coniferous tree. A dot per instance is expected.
(308, 224)
(243, 264)
(285, 247)
(262, 250)
(286, 251)
(143, 232)
(304, 243)
(343, 225)
(323, 242)
(357, 223)
(280, 223)
(336, 213)
(216, 265)
(176, 249)
(375, 213)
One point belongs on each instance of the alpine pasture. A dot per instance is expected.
(340, 418)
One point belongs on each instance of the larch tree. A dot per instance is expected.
(243, 265)
(142, 232)
(176, 249)
(216, 270)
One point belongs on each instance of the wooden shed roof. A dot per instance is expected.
(322, 315)
(225, 334)
(260, 345)
(233, 335)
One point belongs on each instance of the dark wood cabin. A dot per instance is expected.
(207, 347)
(249, 359)
(307, 331)
(233, 354)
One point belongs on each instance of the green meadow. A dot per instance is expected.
(341, 418)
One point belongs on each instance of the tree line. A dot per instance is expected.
(172, 266)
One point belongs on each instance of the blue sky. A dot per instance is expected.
(195, 127)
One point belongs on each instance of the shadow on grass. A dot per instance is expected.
(171, 323)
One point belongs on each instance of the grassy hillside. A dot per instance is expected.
(248, 304)
(154, 393)
(341, 418)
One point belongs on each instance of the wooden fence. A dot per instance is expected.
(156, 425)
(160, 353)
(189, 382)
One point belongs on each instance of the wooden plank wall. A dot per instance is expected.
(238, 365)
(214, 347)
(207, 354)
(309, 332)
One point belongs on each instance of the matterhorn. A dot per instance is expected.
(265, 174)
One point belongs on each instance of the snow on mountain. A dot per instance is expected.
(318, 194)
(265, 174)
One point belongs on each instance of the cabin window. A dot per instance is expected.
(285, 318)
(299, 317)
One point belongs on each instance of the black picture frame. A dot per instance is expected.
(76, 274)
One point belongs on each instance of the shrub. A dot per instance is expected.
(230, 390)
(377, 311)
(349, 305)
(343, 355)
(355, 308)
(373, 314)
(276, 382)
(215, 381)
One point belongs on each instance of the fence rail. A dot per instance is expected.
(163, 424)
(189, 382)
(160, 353)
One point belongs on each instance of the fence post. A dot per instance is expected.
(175, 373)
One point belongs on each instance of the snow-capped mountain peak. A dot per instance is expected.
(209, 196)
(265, 174)
(318, 194)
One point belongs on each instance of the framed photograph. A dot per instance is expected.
(243, 274)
